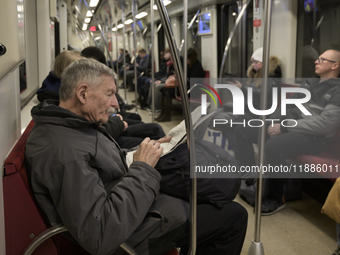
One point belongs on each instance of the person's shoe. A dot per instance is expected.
(126, 107)
(164, 118)
(271, 206)
(337, 251)
(156, 111)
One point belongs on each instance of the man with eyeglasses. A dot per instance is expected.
(310, 136)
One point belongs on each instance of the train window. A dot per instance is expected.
(318, 31)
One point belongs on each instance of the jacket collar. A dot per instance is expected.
(50, 112)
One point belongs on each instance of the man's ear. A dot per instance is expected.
(336, 66)
(82, 93)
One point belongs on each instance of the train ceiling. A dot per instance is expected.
(83, 14)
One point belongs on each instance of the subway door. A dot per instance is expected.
(241, 47)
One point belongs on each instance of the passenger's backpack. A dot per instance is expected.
(175, 171)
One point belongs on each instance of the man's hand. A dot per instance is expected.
(120, 116)
(164, 139)
(157, 82)
(274, 130)
(149, 151)
(125, 125)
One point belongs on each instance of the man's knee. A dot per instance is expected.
(240, 211)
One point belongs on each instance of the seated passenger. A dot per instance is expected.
(310, 135)
(195, 70)
(160, 77)
(80, 178)
(142, 66)
(129, 66)
(254, 81)
(51, 84)
(120, 60)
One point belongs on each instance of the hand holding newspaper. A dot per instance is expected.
(178, 134)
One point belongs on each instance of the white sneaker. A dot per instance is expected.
(156, 111)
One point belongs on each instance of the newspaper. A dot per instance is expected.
(178, 134)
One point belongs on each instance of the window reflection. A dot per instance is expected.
(318, 30)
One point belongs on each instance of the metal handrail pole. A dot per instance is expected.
(111, 35)
(185, 37)
(226, 49)
(82, 17)
(117, 48)
(152, 3)
(128, 249)
(263, 106)
(60, 228)
(188, 123)
(124, 59)
(101, 32)
(134, 13)
(43, 236)
(256, 247)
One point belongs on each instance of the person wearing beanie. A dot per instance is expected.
(254, 74)
(257, 55)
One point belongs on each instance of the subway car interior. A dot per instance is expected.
(225, 35)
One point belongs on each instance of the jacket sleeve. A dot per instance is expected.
(115, 127)
(100, 220)
(324, 124)
(143, 65)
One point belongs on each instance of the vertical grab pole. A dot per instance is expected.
(185, 37)
(101, 31)
(256, 247)
(124, 59)
(152, 3)
(191, 143)
(117, 48)
(134, 13)
(187, 117)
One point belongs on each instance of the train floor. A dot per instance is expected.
(299, 229)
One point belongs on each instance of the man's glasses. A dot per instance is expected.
(321, 60)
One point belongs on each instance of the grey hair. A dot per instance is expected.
(87, 71)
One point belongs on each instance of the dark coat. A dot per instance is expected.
(50, 88)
